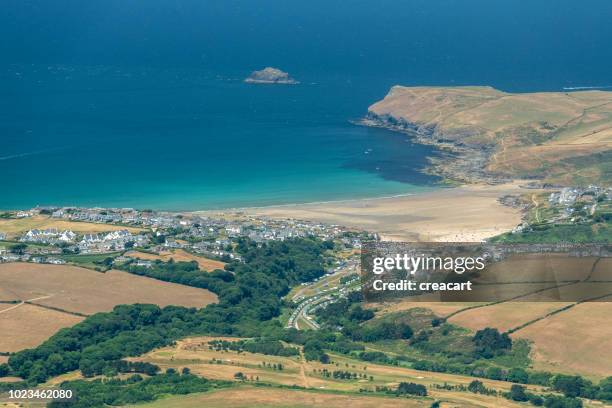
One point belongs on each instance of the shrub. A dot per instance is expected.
(412, 389)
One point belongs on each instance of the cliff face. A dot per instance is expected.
(270, 75)
(489, 135)
(428, 109)
(455, 161)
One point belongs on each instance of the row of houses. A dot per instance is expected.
(126, 216)
(103, 242)
(49, 236)
(6, 256)
(112, 241)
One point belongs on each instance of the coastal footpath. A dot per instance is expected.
(486, 135)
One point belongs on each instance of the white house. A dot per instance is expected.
(67, 236)
(121, 234)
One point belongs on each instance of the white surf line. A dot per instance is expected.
(577, 88)
(20, 155)
(313, 203)
(26, 154)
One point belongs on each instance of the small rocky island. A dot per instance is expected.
(270, 75)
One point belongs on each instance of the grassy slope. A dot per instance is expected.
(561, 137)
(194, 353)
(254, 397)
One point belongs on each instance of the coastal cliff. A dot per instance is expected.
(486, 135)
(455, 162)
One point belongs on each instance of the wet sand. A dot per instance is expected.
(467, 214)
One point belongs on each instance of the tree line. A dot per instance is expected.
(248, 300)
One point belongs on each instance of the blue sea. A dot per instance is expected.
(140, 103)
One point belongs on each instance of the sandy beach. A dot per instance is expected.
(467, 214)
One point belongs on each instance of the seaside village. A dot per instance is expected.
(154, 232)
(573, 200)
(212, 236)
(572, 205)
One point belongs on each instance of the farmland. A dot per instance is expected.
(504, 316)
(195, 354)
(15, 227)
(179, 255)
(438, 308)
(548, 326)
(385, 361)
(27, 326)
(260, 397)
(60, 296)
(556, 346)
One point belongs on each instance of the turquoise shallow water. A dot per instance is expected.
(181, 139)
(130, 103)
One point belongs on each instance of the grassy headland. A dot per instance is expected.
(490, 135)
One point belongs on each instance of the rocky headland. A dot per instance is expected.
(486, 135)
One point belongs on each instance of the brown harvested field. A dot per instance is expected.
(179, 255)
(6, 306)
(535, 267)
(204, 263)
(75, 290)
(440, 309)
(27, 326)
(456, 399)
(3, 359)
(6, 295)
(603, 270)
(251, 397)
(504, 316)
(573, 341)
(85, 291)
(584, 291)
(15, 227)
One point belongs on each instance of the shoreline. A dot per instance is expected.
(465, 213)
(342, 200)
(196, 210)
(454, 162)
